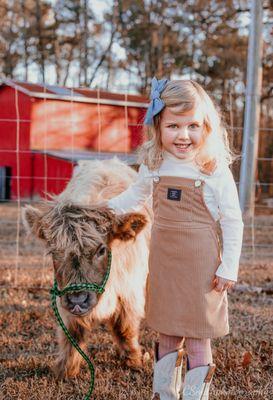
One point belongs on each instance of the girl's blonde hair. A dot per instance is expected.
(182, 96)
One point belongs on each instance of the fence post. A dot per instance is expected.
(252, 111)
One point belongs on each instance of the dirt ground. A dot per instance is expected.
(244, 358)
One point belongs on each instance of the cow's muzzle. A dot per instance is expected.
(79, 303)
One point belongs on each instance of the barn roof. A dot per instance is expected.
(82, 95)
(77, 155)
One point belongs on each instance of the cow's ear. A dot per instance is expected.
(32, 220)
(128, 226)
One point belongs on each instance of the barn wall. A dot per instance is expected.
(63, 125)
(8, 143)
(50, 174)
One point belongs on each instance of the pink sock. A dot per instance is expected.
(168, 344)
(199, 352)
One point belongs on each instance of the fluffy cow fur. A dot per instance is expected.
(73, 226)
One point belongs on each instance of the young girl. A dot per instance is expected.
(185, 172)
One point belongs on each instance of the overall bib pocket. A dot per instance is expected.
(174, 203)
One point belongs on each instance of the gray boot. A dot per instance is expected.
(197, 382)
(167, 381)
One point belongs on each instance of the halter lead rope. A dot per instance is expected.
(77, 288)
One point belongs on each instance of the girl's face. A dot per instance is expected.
(182, 135)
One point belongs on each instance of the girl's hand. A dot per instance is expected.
(221, 284)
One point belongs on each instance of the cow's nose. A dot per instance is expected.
(78, 298)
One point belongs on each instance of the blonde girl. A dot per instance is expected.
(184, 171)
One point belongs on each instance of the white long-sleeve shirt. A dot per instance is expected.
(220, 195)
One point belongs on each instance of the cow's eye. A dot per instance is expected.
(101, 251)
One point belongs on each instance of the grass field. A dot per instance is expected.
(244, 358)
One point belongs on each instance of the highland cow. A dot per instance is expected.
(79, 231)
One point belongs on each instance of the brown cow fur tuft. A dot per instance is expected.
(129, 226)
(71, 227)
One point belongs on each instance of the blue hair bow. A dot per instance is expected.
(157, 104)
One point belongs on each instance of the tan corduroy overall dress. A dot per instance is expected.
(184, 256)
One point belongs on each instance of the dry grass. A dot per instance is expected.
(244, 358)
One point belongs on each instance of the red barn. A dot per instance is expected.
(45, 129)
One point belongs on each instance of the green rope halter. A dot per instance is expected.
(77, 288)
